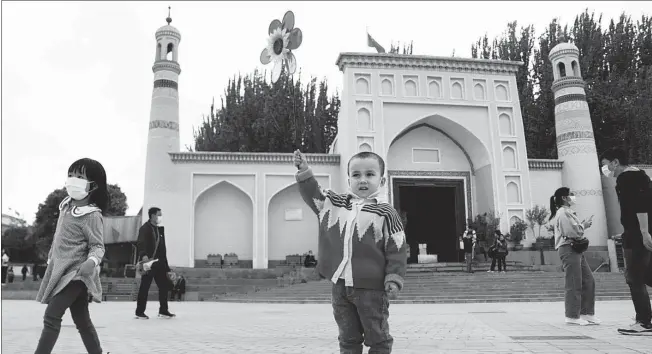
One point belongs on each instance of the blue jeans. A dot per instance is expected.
(361, 316)
(580, 285)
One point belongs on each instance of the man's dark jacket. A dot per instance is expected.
(147, 244)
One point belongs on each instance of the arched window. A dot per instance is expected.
(158, 52)
(169, 55)
(562, 70)
(575, 69)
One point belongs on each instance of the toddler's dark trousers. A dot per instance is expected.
(361, 316)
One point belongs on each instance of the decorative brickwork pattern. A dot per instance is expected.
(164, 124)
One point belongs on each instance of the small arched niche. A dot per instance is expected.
(362, 86)
(364, 120)
(410, 88)
(364, 147)
(509, 158)
(513, 220)
(456, 91)
(478, 92)
(501, 93)
(513, 193)
(158, 51)
(434, 89)
(386, 88)
(505, 125)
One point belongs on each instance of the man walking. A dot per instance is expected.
(635, 198)
(151, 247)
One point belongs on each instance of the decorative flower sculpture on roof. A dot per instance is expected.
(283, 38)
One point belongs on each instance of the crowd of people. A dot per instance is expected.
(71, 279)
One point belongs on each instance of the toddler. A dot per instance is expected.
(362, 251)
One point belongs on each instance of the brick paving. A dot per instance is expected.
(207, 327)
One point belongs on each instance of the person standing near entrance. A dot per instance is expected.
(498, 253)
(5, 266)
(151, 246)
(579, 302)
(470, 241)
(634, 191)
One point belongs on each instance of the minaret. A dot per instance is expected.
(575, 140)
(163, 136)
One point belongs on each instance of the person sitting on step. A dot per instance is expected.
(310, 261)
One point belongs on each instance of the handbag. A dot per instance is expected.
(579, 245)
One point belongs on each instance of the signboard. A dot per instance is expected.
(293, 214)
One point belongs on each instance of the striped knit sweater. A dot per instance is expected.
(379, 248)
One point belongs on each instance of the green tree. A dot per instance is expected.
(615, 64)
(18, 243)
(405, 49)
(257, 116)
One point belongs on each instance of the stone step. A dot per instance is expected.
(439, 298)
(410, 301)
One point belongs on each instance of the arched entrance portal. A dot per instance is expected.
(439, 176)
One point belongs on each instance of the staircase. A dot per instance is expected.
(202, 284)
(455, 287)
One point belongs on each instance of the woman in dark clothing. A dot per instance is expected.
(499, 252)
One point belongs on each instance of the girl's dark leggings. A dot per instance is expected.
(73, 297)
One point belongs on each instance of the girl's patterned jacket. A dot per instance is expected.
(78, 237)
(379, 248)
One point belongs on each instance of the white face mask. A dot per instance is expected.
(159, 220)
(76, 188)
(572, 199)
(606, 172)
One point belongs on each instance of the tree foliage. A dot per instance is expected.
(615, 63)
(257, 116)
(397, 49)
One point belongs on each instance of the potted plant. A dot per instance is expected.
(485, 226)
(230, 259)
(214, 259)
(537, 216)
(517, 234)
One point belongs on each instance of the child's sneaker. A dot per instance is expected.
(591, 319)
(637, 329)
(490, 271)
(577, 321)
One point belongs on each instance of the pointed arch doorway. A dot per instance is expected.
(436, 216)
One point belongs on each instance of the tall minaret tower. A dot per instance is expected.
(163, 136)
(575, 141)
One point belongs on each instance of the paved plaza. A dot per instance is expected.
(206, 327)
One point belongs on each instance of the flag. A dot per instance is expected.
(372, 43)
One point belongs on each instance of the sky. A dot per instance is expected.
(77, 78)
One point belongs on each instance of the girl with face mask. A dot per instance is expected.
(580, 286)
(72, 275)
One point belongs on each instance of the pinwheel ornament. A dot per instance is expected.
(283, 39)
